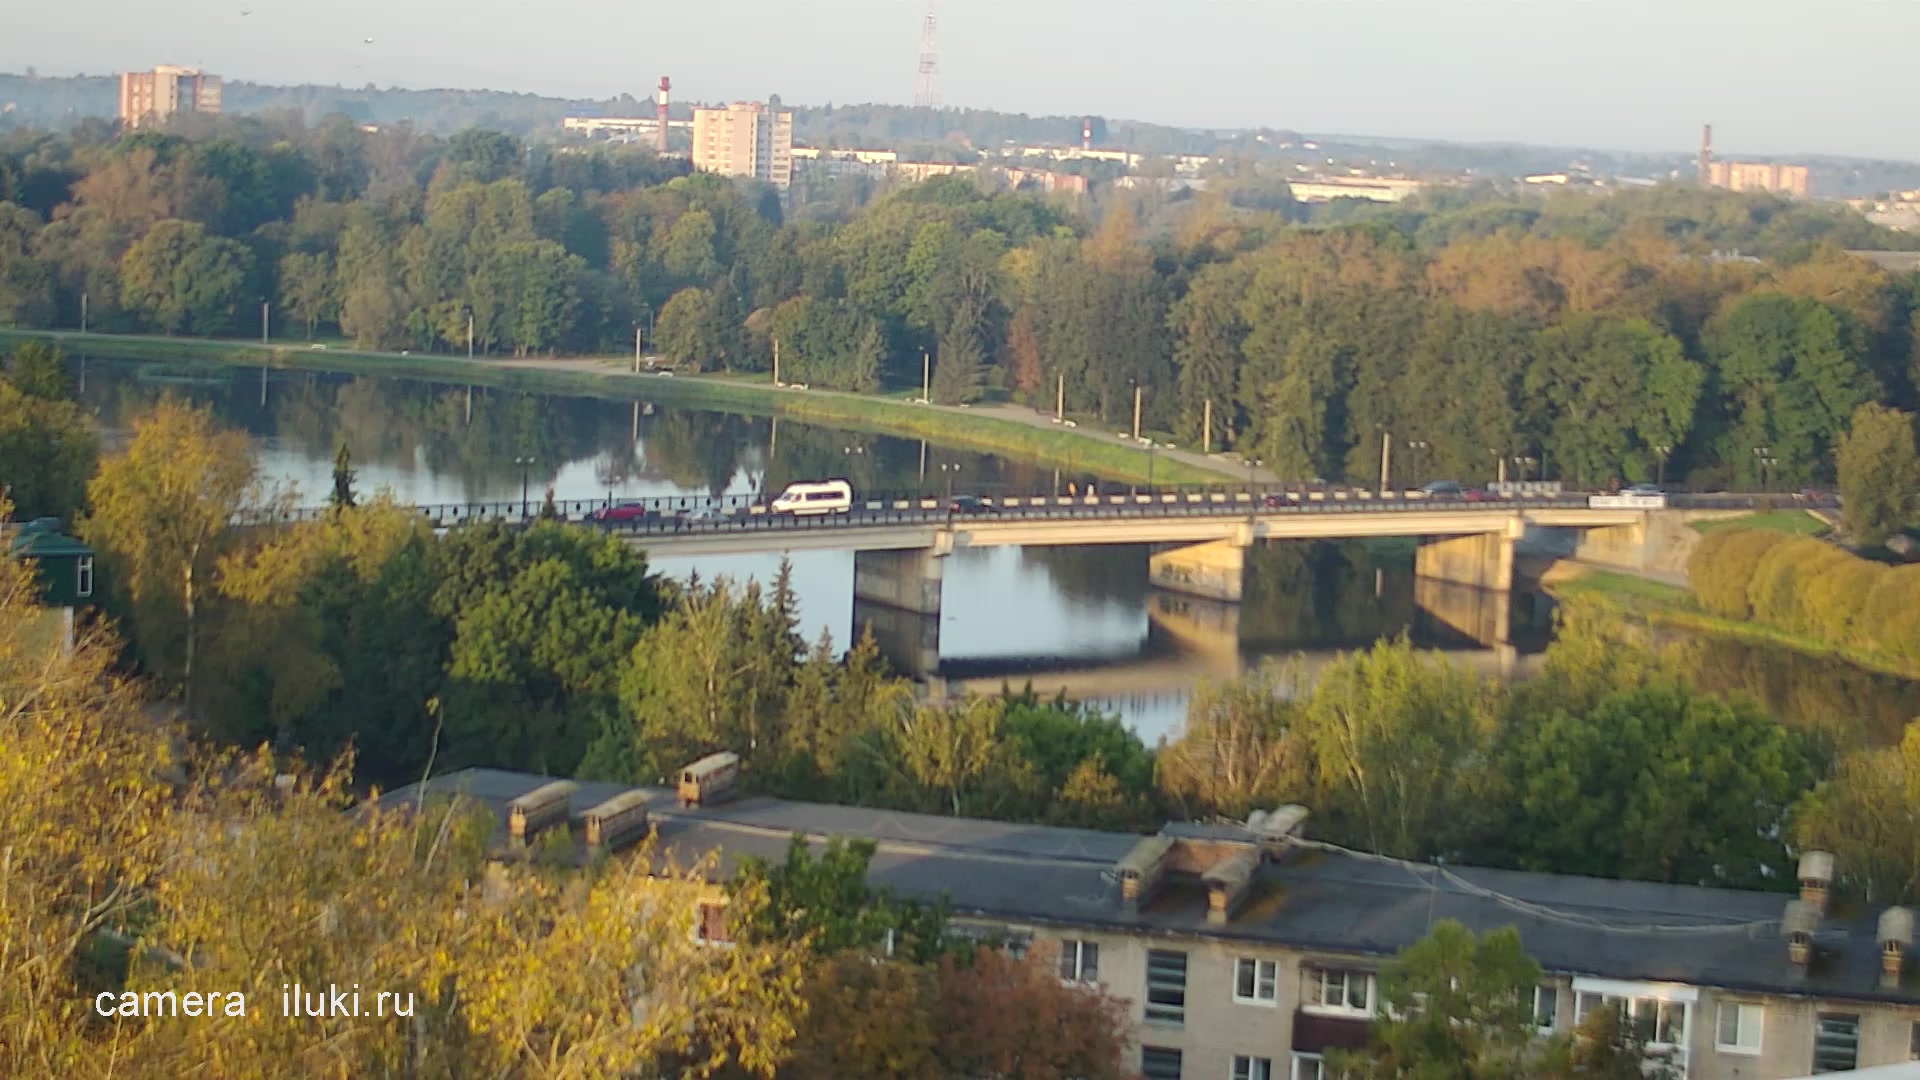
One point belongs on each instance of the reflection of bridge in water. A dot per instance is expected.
(1190, 639)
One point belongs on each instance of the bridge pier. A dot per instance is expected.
(908, 578)
(1481, 560)
(1216, 570)
(909, 640)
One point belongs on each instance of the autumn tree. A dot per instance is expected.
(161, 509)
(1014, 1018)
(308, 288)
(1240, 749)
(1865, 815)
(39, 370)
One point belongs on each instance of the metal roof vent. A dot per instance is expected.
(1816, 878)
(1896, 937)
(1798, 923)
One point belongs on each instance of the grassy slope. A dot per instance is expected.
(1064, 448)
(1798, 522)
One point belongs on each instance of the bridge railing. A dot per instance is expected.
(667, 514)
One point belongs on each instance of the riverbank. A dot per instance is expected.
(1660, 603)
(978, 429)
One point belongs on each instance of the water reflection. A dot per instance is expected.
(438, 443)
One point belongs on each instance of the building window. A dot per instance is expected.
(1337, 991)
(1255, 981)
(1309, 1067)
(1739, 1029)
(1080, 961)
(1836, 1043)
(710, 923)
(1546, 1007)
(1658, 1022)
(1166, 986)
(1252, 1068)
(83, 576)
(1159, 1063)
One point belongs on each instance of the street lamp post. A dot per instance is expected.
(1763, 455)
(266, 307)
(525, 463)
(1416, 447)
(83, 311)
(1660, 467)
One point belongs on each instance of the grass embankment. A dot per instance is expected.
(1797, 522)
(1067, 449)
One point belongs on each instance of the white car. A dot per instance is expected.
(705, 515)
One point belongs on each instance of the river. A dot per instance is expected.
(1077, 620)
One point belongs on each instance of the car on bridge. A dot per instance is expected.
(622, 513)
(704, 515)
(970, 504)
(1273, 500)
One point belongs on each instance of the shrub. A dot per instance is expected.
(1724, 563)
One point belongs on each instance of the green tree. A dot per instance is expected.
(689, 333)
(957, 367)
(48, 449)
(308, 288)
(1866, 815)
(160, 511)
(1657, 782)
(1789, 373)
(1453, 1006)
(1608, 392)
(1879, 473)
(39, 370)
(183, 279)
(26, 279)
(825, 904)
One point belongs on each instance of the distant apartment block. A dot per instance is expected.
(617, 127)
(746, 139)
(1373, 189)
(154, 97)
(1758, 176)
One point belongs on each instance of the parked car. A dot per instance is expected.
(1642, 489)
(970, 504)
(705, 515)
(1443, 489)
(623, 513)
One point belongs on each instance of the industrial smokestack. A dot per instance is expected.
(1706, 155)
(1086, 133)
(660, 124)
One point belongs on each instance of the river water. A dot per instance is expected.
(1081, 621)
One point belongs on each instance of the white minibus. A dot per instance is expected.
(825, 497)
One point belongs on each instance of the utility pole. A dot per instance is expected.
(926, 377)
(1060, 401)
(1386, 461)
(1137, 389)
(636, 350)
(83, 312)
(266, 307)
(776, 361)
(1206, 429)
(469, 335)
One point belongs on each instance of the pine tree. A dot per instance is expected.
(343, 477)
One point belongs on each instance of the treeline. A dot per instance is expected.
(1589, 339)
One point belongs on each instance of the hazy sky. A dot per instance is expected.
(1773, 76)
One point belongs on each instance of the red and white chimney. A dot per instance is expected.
(660, 123)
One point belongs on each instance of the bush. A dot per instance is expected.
(1890, 619)
(1834, 604)
(1784, 576)
(1724, 563)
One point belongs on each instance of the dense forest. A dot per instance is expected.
(1588, 339)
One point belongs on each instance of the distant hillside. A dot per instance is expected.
(27, 101)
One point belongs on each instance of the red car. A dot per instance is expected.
(1275, 500)
(621, 512)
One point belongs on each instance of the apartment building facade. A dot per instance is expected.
(149, 98)
(746, 139)
(1758, 176)
(1248, 953)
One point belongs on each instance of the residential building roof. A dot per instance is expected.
(1313, 899)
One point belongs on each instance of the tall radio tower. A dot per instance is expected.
(926, 93)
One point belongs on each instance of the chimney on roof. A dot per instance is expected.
(1228, 882)
(1142, 870)
(1816, 878)
(1896, 937)
(1798, 923)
